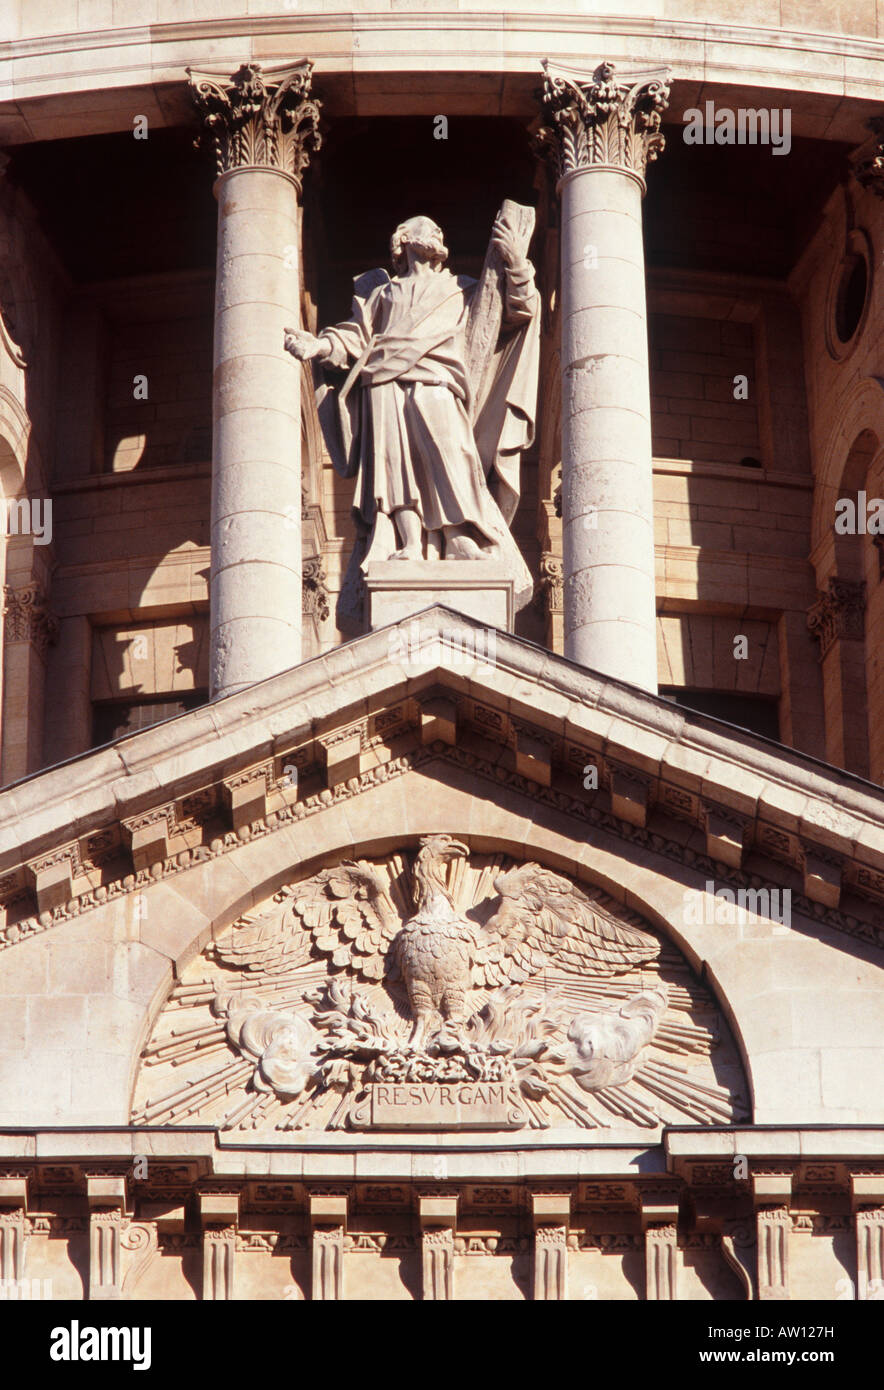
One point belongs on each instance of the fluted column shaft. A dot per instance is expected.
(262, 125)
(602, 132)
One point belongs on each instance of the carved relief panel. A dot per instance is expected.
(439, 989)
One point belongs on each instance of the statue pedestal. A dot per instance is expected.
(397, 589)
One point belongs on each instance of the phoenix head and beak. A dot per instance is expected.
(431, 869)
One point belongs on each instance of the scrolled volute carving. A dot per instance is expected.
(27, 617)
(552, 581)
(839, 612)
(258, 119)
(314, 592)
(609, 121)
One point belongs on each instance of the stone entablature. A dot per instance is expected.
(739, 795)
(142, 58)
(722, 1212)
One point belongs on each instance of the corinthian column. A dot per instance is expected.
(263, 126)
(602, 131)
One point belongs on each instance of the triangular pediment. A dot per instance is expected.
(443, 688)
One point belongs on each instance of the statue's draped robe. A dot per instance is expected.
(401, 424)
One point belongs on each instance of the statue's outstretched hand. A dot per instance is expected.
(304, 345)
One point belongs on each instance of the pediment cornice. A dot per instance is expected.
(725, 803)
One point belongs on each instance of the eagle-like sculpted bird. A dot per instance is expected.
(436, 946)
(440, 954)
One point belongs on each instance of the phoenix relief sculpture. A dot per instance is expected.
(504, 981)
(427, 394)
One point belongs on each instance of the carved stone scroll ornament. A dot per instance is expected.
(314, 599)
(497, 998)
(552, 581)
(839, 613)
(609, 121)
(259, 119)
(27, 617)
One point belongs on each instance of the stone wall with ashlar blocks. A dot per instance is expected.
(147, 658)
(172, 423)
(694, 367)
(696, 650)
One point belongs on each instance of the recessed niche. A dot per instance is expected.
(849, 296)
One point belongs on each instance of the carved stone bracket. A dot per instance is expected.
(552, 582)
(53, 876)
(437, 1263)
(149, 835)
(328, 1220)
(838, 614)
(219, 1251)
(726, 834)
(314, 594)
(106, 1196)
(328, 1262)
(630, 792)
(27, 616)
(13, 1232)
(219, 1215)
(438, 1219)
(823, 874)
(774, 1227)
(551, 1262)
(247, 793)
(739, 1248)
(661, 1261)
(870, 1253)
(257, 119)
(659, 1218)
(551, 1213)
(603, 121)
(105, 1229)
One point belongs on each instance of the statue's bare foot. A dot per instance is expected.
(464, 548)
(408, 552)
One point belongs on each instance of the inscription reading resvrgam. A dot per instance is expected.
(432, 1105)
(438, 1094)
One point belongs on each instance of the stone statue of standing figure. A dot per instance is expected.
(438, 401)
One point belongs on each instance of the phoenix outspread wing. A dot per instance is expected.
(543, 918)
(344, 912)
